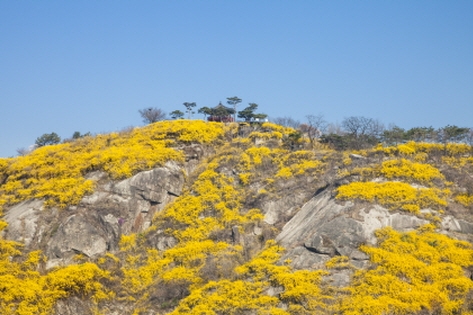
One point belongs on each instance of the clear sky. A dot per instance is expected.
(89, 66)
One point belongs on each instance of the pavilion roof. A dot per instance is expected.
(220, 105)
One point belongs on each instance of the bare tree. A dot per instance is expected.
(469, 137)
(315, 127)
(26, 151)
(363, 131)
(287, 121)
(152, 114)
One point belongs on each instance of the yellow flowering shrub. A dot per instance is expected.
(278, 128)
(407, 149)
(338, 262)
(463, 162)
(127, 242)
(284, 172)
(412, 272)
(366, 173)
(214, 206)
(244, 178)
(141, 271)
(182, 262)
(253, 157)
(464, 199)
(265, 135)
(401, 169)
(421, 157)
(298, 163)
(406, 170)
(412, 148)
(56, 173)
(346, 159)
(458, 149)
(25, 291)
(190, 131)
(301, 289)
(228, 297)
(395, 195)
(256, 163)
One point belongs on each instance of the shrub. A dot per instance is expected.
(405, 169)
(395, 195)
(412, 272)
(56, 173)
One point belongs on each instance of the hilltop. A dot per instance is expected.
(194, 217)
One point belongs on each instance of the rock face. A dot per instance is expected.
(133, 202)
(94, 226)
(23, 221)
(323, 229)
(276, 210)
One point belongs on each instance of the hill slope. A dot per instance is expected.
(188, 217)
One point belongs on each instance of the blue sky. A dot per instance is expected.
(89, 66)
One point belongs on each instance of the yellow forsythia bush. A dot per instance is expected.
(411, 148)
(301, 290)
(462, 162)
(407, 170)
(412, 272)
(214, 204)
(56, 173)
(25, 291)
(465, 199)
(301, 162)
(253, 157)
(265, 135)
(228, 297)
(395, 195)
(275, 127)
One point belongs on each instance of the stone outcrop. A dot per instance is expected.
(95, 225)
(324, 228)
(23, 220)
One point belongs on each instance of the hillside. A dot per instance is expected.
(193, 217)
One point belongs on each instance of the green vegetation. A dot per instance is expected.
(48, 139)
(248, 114)
(176, 114)
(208, 271)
